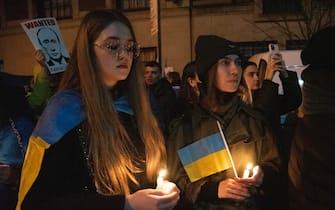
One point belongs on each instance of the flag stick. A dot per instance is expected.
(227, 148)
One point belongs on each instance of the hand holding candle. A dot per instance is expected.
(252, 176)
(162, 184)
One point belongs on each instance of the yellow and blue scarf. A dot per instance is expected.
(63, 112)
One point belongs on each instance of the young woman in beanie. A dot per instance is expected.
(246, 132)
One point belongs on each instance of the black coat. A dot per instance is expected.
(65, 182)
(311, 166)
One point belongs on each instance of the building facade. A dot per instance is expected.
(251, 23)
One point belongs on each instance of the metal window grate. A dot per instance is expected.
(133, 4)
(248, 49)
(60, 9)
(295, 44)
(281, 6)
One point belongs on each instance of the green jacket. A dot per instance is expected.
(249, 139)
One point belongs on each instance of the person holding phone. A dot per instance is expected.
(274, 105)
(97, 144)
(218, 65)
(270, 102)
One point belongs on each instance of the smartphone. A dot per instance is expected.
(273, 48)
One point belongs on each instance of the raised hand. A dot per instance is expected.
(275, 63)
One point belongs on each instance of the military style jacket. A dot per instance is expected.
(249, 137)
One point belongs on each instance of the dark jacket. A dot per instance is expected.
(273, 105)
(64, 176)
(164, 98)
(65, 181)
(249, 138)
(311, 167)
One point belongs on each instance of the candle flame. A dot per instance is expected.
(249, 166)
(162, 173)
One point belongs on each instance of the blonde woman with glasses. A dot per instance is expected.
(97, 145)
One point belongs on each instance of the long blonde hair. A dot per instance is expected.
(109, 145)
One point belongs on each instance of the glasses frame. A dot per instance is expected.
(134, 49)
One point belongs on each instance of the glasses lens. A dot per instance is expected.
(114, 47)
(136, 50)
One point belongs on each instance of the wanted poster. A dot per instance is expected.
(44, 34)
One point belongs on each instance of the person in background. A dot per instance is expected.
(250, 81)
(161, 93)
(97, 144)
(311, 164)
(251, 75)
(266, 98)
(218, 65)
(174, 78)
(39, 90)
(189, 90)
(16, 125)
(273, 104)
(43, 84)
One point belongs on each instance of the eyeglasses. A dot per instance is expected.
(114, 47)
(227, 61)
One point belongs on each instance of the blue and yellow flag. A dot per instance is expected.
(64, 112)
(205, 157)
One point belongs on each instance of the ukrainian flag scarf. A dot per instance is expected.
(63, 113)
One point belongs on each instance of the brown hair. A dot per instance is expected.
(187, 93)
(211, 100)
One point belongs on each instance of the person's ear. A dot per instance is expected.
(191, 82)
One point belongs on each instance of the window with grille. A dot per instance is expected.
(248, 49)
(213, 3)
(281, 6)
(295, 44)
(60, 9)
(133, 4)
(91, 5)
(15, 9)
(148, 54)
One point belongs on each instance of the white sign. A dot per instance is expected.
(44, 34)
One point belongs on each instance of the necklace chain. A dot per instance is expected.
(83, 143)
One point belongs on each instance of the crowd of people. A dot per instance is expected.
(97, 135)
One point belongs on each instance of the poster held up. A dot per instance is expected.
(44, 34)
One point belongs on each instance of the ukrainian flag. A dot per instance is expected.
(63, 113)
(205, 157)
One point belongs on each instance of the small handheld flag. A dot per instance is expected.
(206, 156)
(228, 151)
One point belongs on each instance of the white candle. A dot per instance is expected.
(160, 179)
(246, 171)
